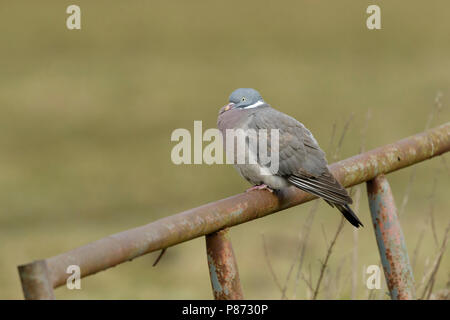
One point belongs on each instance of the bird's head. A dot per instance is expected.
(244, 98)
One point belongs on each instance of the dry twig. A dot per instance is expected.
(341, 139)
(159, 257)
(432, 272)
(266, 255)
(327, 257)
(303, 243)
(435, 110)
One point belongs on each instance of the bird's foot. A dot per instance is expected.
(260, 187)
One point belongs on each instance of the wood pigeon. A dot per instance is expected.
(301, 161)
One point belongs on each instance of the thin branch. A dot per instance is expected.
(310, 292)
(424, 225)
(159, 257)
(327, 284)
(338, 277)
(425, 274)
(405, 200)
(354, 260)
(435, 110)
(417, 248)
(266, 254)
(308, 283)
(324, 234)
(291, 268)
(341, 139)
(433, 271)
(304, 242)
(357, 198)
(444, 163)
(362, 147)
(333, 134)
(327, 257)
(431, 210)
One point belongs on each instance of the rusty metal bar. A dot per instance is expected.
(390, 240)
(121, 247)
(35, 280)
(223, 269)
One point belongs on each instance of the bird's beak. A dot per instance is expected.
(229, 106)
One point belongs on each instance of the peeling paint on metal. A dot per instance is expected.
(390, 240)
(214, 278)
(222, 266)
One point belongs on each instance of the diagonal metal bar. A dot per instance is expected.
(223, 269)
(390, 240)
(121, 247)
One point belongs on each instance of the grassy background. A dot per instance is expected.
(86, 118)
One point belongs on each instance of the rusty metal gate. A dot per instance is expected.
(39, 278)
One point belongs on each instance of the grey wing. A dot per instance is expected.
(301, 161)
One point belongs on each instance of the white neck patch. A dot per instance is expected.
(256, 104)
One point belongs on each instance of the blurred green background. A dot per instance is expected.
(86, 118)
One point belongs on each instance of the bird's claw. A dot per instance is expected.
(260, 187)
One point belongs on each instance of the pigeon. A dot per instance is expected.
(301, 162)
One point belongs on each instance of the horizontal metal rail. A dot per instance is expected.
(121, 247)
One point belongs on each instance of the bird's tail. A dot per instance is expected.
(349, 214)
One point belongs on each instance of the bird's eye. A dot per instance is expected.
(243, 99)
